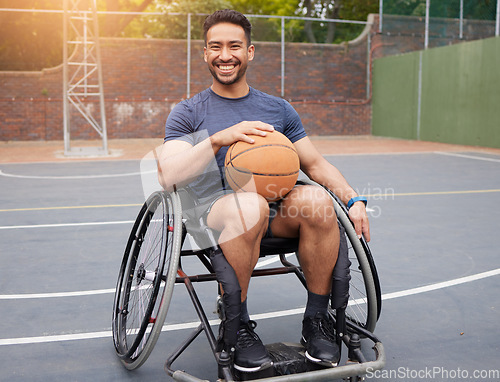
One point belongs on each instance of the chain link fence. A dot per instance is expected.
(33, 40)
(266, 28)
(440, 22)
(284, 31)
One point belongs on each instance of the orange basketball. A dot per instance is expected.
(269, 166)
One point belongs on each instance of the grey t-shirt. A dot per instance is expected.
(195, 119)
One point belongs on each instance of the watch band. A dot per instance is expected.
(356, 199)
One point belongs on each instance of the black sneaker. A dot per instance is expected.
(250, 354)
(318, 337)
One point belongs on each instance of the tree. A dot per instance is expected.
(473, 9)
(326, 9)
(477, 9)
(329, 32)
(33, 41)
(355, 10)
(30, 41)
(114, 25)
(403, 7)
(173, 24)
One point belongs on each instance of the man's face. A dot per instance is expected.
(227, 53)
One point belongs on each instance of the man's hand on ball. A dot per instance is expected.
(240, 132)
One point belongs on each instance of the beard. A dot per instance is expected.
(227, 80)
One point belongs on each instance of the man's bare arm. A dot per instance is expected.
(180, 162)
(317, 168)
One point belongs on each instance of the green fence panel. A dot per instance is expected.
(394, 106)
(460, 94)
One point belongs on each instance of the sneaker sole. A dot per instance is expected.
(317, 360)
(265, 365)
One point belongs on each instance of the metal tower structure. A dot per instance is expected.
(82, 76)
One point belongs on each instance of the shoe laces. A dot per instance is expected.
(246, 335)
(324, 327)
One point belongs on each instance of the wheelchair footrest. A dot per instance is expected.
(288, 358)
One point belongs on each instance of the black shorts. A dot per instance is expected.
(204, 206)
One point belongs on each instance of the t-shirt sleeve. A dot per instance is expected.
(294, 130)
(179, 124)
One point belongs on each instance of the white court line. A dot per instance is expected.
(467, 156)
(261, 316)
(64, 225)
(59, 225)
(441, 285)
(55, 294)
(74, 176)
(26, 296)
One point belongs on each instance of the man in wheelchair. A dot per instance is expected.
(229, 111)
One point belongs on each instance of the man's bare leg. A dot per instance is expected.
(308, 213)
(242, 221)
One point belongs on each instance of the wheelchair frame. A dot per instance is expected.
(152, 265)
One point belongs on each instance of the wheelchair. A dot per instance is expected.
(153, 264)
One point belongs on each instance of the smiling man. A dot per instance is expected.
(204, 126)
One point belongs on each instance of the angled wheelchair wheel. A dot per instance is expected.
(365, 300)
(146, 279)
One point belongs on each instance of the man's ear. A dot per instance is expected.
(205, 53)
(251, 52)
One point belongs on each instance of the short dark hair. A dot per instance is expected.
(228, 16)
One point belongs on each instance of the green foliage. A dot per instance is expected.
(265, 29)
(173, 24)
(114, 25)
(473, 9)
(33, 41)
(30, 41)
(403, 7)
(265, 7)
(358, 10)
(354, 10)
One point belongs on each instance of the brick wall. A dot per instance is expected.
(144, 79)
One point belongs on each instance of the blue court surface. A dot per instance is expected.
(435, 232)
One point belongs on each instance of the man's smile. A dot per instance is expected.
(226, 68)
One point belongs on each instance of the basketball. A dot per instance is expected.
(269, 166)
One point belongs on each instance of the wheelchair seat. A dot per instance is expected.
(278, 245)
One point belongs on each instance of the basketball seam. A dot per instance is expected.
(258, 147)
(231, 177)
(262, 173)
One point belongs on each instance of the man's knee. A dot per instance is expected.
(252, 208)
(241, 212)
(314, 205)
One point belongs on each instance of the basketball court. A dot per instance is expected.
(434, 221)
